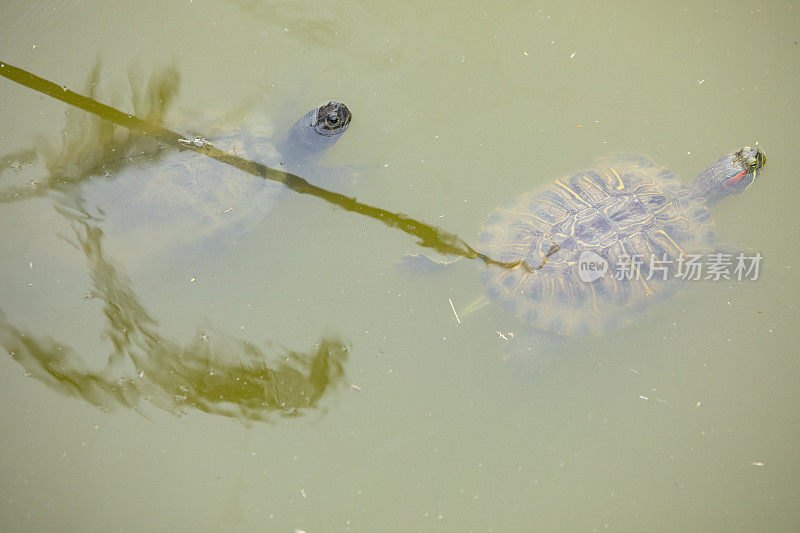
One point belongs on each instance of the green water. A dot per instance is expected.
(684, 421)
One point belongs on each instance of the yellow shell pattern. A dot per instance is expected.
(623, 208)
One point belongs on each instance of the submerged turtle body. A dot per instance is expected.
(600, 219)
(170, 201)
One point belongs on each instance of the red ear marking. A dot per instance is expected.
(736, 179)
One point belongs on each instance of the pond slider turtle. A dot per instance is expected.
(561, 246)
(168, 201)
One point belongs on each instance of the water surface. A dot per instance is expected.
(682, 421)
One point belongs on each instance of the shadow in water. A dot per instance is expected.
(220, 375)
(310, 25)
(216, 374)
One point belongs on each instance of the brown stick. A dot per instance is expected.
(429, 236)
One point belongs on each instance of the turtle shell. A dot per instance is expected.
(625, 207)
(177, 199)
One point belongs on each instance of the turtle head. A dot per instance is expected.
(730, 174)
(318, 130)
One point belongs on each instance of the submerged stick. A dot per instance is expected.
(429, 236)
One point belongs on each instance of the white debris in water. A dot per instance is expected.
(454, 310)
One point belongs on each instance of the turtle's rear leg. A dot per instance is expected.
(480, 303)
(422, 264)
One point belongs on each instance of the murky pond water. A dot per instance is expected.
(284, 374)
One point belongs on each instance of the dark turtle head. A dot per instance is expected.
(318, 130)
(728, 175)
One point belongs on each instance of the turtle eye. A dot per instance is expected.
(332, 119)
(753, 164)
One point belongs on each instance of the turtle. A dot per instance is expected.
(551, 254)
(165, 203)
